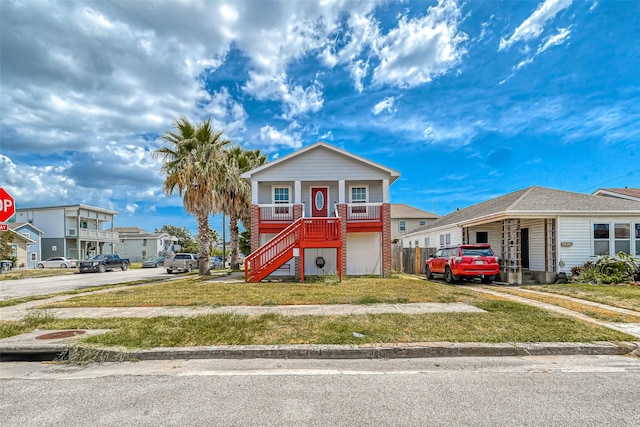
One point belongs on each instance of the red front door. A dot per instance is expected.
(319, 201)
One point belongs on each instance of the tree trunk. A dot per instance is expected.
(203, 244)
(234, 239)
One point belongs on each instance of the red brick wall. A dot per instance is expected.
(386, 239)
(255, 227)
(342, 213)
(297, 214)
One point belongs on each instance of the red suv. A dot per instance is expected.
(464, 261)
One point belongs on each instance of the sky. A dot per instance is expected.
(468, 100)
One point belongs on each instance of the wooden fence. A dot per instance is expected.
(409, 260)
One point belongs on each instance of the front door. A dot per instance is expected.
(319, 201)
(524, 240)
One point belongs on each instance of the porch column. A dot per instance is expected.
(254, 192)
(342, 212)
(297, 193)
(511, 251)
(299, 260)
(255, 227)
(386, 238)
(385, 191)
(341, 192)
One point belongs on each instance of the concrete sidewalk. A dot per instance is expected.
(59, 342)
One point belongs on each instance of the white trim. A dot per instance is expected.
(365, 186)
(273, 193)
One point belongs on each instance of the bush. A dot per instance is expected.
(607, 269)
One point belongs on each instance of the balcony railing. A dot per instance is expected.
(364, 212)
(279, 212)
(92, 234)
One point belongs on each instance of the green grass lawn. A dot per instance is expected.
(504, 321)
(618, 296)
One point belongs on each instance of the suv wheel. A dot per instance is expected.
(102, 268)
(449, 277)
(428, 273)
(189, 268)
(125, 266)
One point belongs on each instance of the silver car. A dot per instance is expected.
(58, 262)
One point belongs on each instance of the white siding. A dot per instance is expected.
(330, 266)
(536, 243)
(579, 231)
(318, 165)
(364, 253)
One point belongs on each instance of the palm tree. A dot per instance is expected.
(236, 194)
(193, 162)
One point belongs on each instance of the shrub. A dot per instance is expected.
(607, 269)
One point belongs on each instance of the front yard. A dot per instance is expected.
(503, 321)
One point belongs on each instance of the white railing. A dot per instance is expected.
(363, 211)
(276, 212)
(93, 234)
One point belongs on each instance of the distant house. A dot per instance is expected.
(540, 230)
(74, 231)
(19, 245)
(620, 193)
(32, 249)
(138, 244)
(320, 210)
(405, 218)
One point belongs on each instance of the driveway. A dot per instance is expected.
(69, 282)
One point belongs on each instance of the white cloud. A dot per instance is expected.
(533, 26)
(555, 40)
(273, 138)
(422, 48)
(384, 105)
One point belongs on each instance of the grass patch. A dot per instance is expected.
(200, 291)
(37, 272)
(504, 321)
(589, 310)
(621, 296)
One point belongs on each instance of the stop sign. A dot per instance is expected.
(7, 205)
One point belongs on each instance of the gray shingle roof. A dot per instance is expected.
(540, 200)
(400, 210)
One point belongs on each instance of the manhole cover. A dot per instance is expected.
(58, 335)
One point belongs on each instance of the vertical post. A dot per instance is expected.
(224, 243)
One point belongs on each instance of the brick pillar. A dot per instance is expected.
(386, 239)
(297, 214)
(342, 213)
(255, 227)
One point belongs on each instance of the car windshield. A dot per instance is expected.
(98, 257)
(477, 252)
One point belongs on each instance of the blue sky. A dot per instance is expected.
(467, 100)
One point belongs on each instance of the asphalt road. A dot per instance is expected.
(72, 281)
(524, 391)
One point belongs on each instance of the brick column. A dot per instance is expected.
(342, 213)
(255, 227)
(386, 239)
(297, 214)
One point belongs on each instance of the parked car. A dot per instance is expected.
(154, 262)
(181, 262)
(58, 262)
(103, 262)
(464, 261)
(216, 262)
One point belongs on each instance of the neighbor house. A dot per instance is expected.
(74, 231)
(620, 193)
(138, 244)
(19, 244)
(32, 249)
(405, 218)
(320, 211)
(540, 231)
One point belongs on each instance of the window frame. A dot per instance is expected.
(284, 210)
(402, 225)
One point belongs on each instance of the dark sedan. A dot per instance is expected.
(154, 262)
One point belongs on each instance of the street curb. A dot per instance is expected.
(391, 351)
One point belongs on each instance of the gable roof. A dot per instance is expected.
(319, 145)
(623, 193)
(16, 226)
(400, 210)
(20, 236)
(536, 201)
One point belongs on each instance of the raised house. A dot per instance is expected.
(319, 211)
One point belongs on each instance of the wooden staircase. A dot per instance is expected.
(303, 233)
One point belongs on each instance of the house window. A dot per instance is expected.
(622, 233)
(601, 239)
(14, 251)
(359, 195)
(402, 225)
(144, 254)
(422, 223)
(482, 237)
(445, 239)
(637, 234)
(442, 240)
(84, 224)
(33, 256)
(426, 242)
(144, 242)
(417, 244)
(281, 195)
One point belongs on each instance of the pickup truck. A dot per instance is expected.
(181, 262)
(103, 262)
